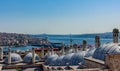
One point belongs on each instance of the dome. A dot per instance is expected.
(28, 57)
(53, 61)
(59, 60)
(67, 59)
(109, 48)
(15, 58)
(47, 55)
(71, 51)
(77, 58)
(90, 52)
(50, 58)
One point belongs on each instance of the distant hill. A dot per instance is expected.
(102, 35)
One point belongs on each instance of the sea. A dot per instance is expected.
(77, 40)
(63, 39)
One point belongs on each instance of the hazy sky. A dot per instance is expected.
(59, 16)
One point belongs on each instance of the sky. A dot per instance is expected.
(59, 16)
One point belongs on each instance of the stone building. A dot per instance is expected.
(102, 57)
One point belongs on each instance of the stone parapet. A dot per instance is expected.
(113, 62)
(94, 63)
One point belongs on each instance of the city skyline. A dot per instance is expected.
(59, 16)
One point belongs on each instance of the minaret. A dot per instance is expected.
(115, 35)
(42, 52)
(9, 55)
(97, 41)
(33, 55)
(84, 45)
(1, 53)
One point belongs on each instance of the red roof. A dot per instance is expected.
(45, 49)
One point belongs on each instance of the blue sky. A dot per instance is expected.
(59, 16)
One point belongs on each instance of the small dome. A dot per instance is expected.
(28, 57)
(109, 48)
(77, 58)
(71, 51)
(67, 59)
(47, 55)
(90, 52)
(53, 61)
(15, 58)
(59, 60)
(50, 58)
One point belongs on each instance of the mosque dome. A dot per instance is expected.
(28, 57)
(15, 58)
(50, 58)
(109, 48)
(71, 51)
(53, 61)
(77, 58)
(59, 60)
(90, 52)
(46, 56)
(67, 59)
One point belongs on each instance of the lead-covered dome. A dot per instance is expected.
(77, 58)
(47, 55)
(90, 52)
(109, 48)
(67, 59)
(28, 57)
(51, 58)
(59, 60)
(15, 58)
(53, 61)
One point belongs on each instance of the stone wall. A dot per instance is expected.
(48, 68)
(94, 63)
(113, 62)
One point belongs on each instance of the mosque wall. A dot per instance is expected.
(48, 68)
(94, 63)
(113, 62)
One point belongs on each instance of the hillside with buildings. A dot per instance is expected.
(15, 39)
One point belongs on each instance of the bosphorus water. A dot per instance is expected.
(77, 40)
(64, 39)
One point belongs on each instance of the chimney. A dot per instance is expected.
(49, 51)
(1, 53)
(33, 55)
(9, 55)
(115, 35)
(52, 52)
(84, 45)
(97, 41)
(76, 47)
(42, 52)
